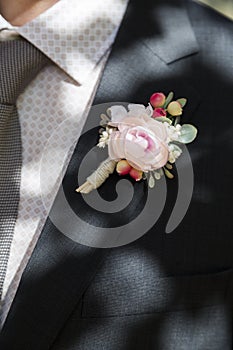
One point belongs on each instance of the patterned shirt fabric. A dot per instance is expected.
(77, 37)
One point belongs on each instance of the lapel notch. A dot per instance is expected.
(175, 37)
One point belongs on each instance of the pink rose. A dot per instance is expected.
(139, 139)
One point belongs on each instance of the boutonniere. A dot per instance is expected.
(143, 142)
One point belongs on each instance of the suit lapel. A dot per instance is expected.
(141, 60)
(172, 42)
(60, 270)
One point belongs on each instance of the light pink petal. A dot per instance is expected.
(116, 145)
(130, 122)
(134, 149)
(158, 128)
(117, 113)
(162, 158)
(136, 110)
(149, 110)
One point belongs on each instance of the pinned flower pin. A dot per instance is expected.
(143, 142)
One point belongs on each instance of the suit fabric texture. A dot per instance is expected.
(163, 291)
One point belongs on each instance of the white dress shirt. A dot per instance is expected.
(76, 36)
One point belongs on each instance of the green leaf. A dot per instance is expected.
(182, 101)
(164, 119)
(168, 99)
(177, 120)
(188, 133)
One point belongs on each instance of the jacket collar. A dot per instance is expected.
(49, 32)
(163, 23)
(66, 38)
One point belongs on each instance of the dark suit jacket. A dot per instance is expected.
(163, 291)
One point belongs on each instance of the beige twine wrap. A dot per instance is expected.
(96, 179)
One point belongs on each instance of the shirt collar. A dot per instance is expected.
(74, 34)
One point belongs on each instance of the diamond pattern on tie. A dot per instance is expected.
(19, 64)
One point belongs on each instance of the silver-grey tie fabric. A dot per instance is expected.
(19, 64)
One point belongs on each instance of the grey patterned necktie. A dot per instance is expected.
(19, 64)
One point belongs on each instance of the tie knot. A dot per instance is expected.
(20, 62)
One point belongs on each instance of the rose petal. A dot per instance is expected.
(136, 110)
(158, 128)
(116, 145)
(117, 113)
(141, 141)
(130, 122)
